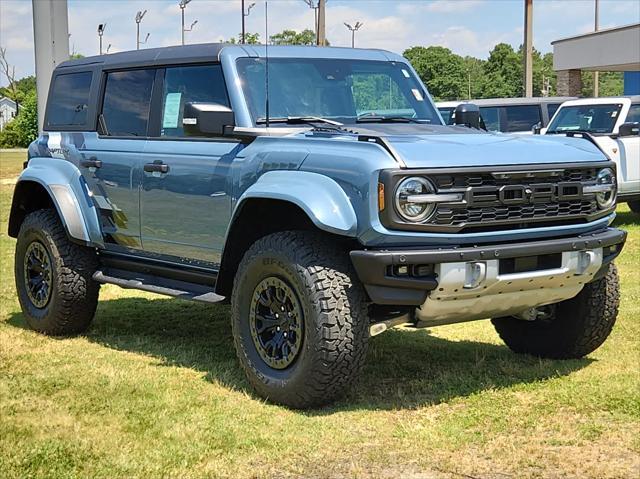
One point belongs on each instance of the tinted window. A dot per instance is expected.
(447, 114)
(127, 97)
(552, 108)
(490, 117)
(634, 114)
(69, 99)
(521, 117)
(183, 85)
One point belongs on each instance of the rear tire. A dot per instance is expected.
(54, 277)
(634, 206)
(577, 327)
(311, 282)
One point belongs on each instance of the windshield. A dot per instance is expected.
(588, 118)
(339, 90)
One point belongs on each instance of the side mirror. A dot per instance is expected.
(629, 129)
(536, 129)
(467, 114)
(206, 119)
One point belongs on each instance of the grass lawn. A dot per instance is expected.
(153, 390)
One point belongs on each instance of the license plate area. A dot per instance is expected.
(526, 264)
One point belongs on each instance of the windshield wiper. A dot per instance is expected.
(371, 118)
(298, 120)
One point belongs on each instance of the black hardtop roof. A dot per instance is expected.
(202, 52)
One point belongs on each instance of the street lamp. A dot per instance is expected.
(139, 16)
(244, 15)
(101, 29)
(354, 29)
(183, 4)
(314, 6)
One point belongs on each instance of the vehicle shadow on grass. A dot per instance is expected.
(626, 218)
(405, 369)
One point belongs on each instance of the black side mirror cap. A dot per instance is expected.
(467, 114)
(536, 129)
(629, 129)
(207, 119)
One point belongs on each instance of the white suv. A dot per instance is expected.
(614, 124)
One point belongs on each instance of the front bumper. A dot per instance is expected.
(449, 275)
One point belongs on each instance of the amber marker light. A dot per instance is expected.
(380, 196)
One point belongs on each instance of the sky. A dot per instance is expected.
(467, 27)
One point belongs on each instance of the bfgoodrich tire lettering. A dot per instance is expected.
(578, 327)
(73, 295)
(334, 310)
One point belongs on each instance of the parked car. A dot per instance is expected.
(614, 125)
(509, 115)
(336, 208)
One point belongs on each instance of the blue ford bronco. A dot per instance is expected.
(320, 193)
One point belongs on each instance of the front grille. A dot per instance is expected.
(480, 216)
(502, 198)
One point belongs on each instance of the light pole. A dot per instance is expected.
(321, 36)
(139, 16)
(354, 29)
(314, 6)
(596, 74)
(245, 13)
(183, 4)
(101, 29)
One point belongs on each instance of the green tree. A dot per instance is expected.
(611, 84)
(292, 37)
(250, 38)
(502, 73)
(23, 129)
(473, 69)
(441, 70)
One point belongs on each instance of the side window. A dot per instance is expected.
(522, 117)
(552, 108)
(69, 99)
(182, 85)
(634, 114)
(490, 117)
(127, 98)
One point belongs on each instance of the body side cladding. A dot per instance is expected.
(64, 184)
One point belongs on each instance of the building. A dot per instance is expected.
(613, 49)
(8, 111)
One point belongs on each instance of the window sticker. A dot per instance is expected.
(417, 94)
(406, 73)
(614, 113)
(171, 110)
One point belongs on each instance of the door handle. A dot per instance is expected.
(156, 166)
(92, 162)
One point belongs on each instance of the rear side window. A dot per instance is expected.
(522, 117)
(127, 99)
(69, 99)
(182, 85)
(552, 108)
(634, 114)
(490, 117)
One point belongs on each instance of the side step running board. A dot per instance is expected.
(154, 284)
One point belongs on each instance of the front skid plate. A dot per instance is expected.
(507, 294)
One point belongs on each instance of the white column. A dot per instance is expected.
(51, 40)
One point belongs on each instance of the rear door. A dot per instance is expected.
(112, 159)
(630, 155)
(186, 199)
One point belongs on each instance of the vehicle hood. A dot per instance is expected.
(457, 146)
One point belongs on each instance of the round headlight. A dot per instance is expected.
(606, 199)
(409, 207)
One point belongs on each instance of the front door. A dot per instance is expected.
(185, 201)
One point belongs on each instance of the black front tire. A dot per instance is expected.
(335, 325)
(68, 303)
(634, 206)
(577, 327)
